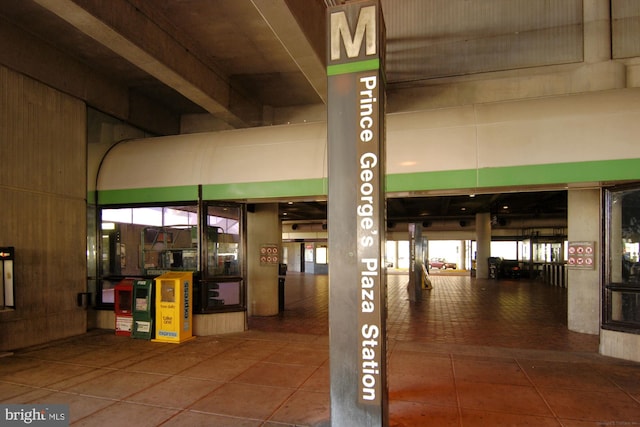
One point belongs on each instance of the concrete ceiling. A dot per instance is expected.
(238, 60)
(227, 58)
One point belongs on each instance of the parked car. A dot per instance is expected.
(442, 264)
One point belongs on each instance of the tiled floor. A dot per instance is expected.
(471, 353)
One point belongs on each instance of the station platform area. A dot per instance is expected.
(472, 352)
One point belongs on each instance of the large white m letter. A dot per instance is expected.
(340, 30)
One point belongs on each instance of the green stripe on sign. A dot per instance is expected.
(353, 67)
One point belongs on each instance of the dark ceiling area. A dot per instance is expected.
(504, 206)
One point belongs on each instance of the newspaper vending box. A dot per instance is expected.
(174, 320)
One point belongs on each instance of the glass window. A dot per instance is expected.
(151, 240)
(107, 291)
(223, 241)
(308, 253)
(179, 217)
(222, 286)
(168, 248)
(505, 250)
(219, 294)
(321, 255)
(146, 241)
(523, 247)
(622, 273)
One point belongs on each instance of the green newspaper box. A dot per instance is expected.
(143, 309)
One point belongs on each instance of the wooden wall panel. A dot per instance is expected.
(43, 199)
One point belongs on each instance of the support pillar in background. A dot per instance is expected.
(463, 261)
(483, 245)
(356, 214)
(417, 248)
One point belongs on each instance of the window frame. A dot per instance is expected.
(106, 277)
(610, 286)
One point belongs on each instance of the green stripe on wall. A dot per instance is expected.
(431, 180)
(559, 173)
(605, 170)
(353, 67)
(148, 195)
(253, 190)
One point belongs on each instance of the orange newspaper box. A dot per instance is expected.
(174, 319)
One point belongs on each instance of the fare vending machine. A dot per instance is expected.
(143, 309)
(173, 294)
(123, 297)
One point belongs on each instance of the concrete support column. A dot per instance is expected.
(583, 287)
(417, 243)
(263, 228)
(483, 244)
(597, 30)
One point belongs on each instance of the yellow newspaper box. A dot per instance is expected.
(174, 319)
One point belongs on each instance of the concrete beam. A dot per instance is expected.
(28, 55)
(299, 26)
(123, 29)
